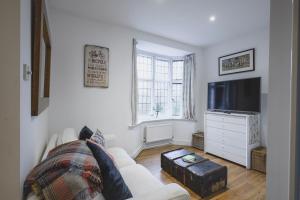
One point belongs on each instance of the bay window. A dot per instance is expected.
(159, 87)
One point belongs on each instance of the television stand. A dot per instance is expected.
(232, 136)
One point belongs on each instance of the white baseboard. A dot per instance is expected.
(137, 151)
(157, 144)
(182, 142)
(153, 145)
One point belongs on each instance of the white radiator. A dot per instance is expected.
(157, 133)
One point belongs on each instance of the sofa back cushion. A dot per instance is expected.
(68, 135)
(114, 187)
(51, 144)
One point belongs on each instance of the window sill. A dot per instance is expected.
(160, 120)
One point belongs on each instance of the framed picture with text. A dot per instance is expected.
(96, 66)
(243, 61)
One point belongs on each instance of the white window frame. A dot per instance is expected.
(176, 82)
(169, 114)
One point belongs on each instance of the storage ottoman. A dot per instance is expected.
(206, 178)
(167, 159)
(180, 166)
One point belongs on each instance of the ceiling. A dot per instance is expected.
(186, 21)
(160, 49)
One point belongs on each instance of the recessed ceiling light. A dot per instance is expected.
(212, 18)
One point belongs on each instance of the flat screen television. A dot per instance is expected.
(237, 95)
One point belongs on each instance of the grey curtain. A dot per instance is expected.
(188, 87)
(134, 84)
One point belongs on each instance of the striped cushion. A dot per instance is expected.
(98, 138)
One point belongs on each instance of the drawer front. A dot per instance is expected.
(240, 144)
(234, 135)
(235, 158)
(235, 150)
(214, 148)
(235, 120)
(214, 124)
(227, 126)
(213, 117)
(214, 134)
(226, 152)
(218, 133)
(234, 127)
(235, 138)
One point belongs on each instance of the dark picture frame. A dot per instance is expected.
(41, 58)
(243, 61)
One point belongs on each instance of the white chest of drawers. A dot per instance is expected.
(231, 136)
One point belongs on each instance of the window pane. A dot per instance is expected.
(177, 99)
(161, 90)
(144, 97)
(177, 87)
(178, 70)
(145, 81)
(144, 67)
(161, 86)
(162, 70)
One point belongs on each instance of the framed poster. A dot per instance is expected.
(96, 65)
(243, 61)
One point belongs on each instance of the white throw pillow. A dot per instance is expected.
(51, 144)
(68, 135)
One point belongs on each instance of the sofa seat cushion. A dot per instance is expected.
(121, 157)
(139, 179)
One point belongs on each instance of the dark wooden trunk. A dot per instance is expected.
(206, 178)
(181, 166)
(167, 159)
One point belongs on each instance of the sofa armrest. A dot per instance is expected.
(110, 140)
(168, 192)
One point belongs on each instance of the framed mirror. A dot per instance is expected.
(41, 58)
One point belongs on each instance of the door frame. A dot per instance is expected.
(295, 107)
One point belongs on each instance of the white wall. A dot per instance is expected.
(73, 105)
(33, 130)
(259, 40)
(279, 110)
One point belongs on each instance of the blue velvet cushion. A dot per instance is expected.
(85, 133)
(114, 187)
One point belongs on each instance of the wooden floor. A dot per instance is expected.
(243, 184)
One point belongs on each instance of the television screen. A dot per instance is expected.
(236, 95)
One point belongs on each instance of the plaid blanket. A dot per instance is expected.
(70, 172)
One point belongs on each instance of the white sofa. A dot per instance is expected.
(142, 184)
